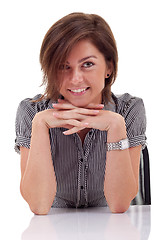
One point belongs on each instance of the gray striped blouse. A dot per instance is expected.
(80, 169)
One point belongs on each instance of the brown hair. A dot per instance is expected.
(60, 39)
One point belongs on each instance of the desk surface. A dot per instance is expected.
(90, 223)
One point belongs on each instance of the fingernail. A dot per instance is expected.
(55, 114)
(86, 124)
(96, 111)
(101, 105)
(54, 104)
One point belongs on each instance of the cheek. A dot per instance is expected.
(62, 89)
(98, 81)
(62, 84)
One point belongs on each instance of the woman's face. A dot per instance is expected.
(83, 75)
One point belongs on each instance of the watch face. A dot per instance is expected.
(125, 144)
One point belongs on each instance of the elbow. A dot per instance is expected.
(120, 204)
(40, 210)
(37, 207)
(118, 207)
(40, 207)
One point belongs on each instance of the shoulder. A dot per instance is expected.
(31, 106)
(133, 110)
(126, 103)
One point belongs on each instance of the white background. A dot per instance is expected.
(137, 28)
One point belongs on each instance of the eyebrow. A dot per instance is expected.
(85, 58)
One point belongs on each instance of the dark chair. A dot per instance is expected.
(144, 195)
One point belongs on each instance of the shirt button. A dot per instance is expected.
(81, 187)
(81, 159)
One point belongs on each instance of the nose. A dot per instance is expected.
(76, 77)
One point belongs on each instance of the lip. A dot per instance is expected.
(78, 93)
(76, 88)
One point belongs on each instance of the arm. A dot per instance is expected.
(122, 171)
(38, 184)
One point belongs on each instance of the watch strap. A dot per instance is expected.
(121, 145)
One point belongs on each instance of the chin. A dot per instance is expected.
(79, 103)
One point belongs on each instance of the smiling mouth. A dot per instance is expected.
(78, 90)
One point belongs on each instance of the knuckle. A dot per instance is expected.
(71, 121)
(75, 110)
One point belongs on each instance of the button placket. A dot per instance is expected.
(83, 153)
(82, 182)
(80, 165)
(86, 154)
(79, 184)
(85, 186)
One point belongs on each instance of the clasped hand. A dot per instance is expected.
(78, 118)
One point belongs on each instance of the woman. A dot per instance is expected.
(80, 144)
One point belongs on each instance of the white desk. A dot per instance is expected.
(90, 224)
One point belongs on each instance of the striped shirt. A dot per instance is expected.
(80, 168)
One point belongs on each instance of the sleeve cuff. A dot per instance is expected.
(138, 140)
(21, 141)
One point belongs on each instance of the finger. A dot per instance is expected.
(95, 106)
(71, 122)
(78, 113)
(62, 101)
(67, 126)
(75, 129)
(63, 106)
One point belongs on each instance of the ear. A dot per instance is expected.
(109, 68)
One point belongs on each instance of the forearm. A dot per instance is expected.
(120, 185)
(38, 184)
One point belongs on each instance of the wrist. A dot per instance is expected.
(39, 123)
(116, 132)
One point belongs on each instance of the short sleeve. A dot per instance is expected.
(135, 118)
(23, 124)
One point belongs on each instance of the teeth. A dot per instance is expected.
(78, 90)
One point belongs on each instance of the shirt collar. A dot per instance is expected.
(111, 106)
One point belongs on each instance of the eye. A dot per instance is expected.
(88, 64)
(64, 67)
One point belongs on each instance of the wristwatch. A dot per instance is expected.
(121, 145)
